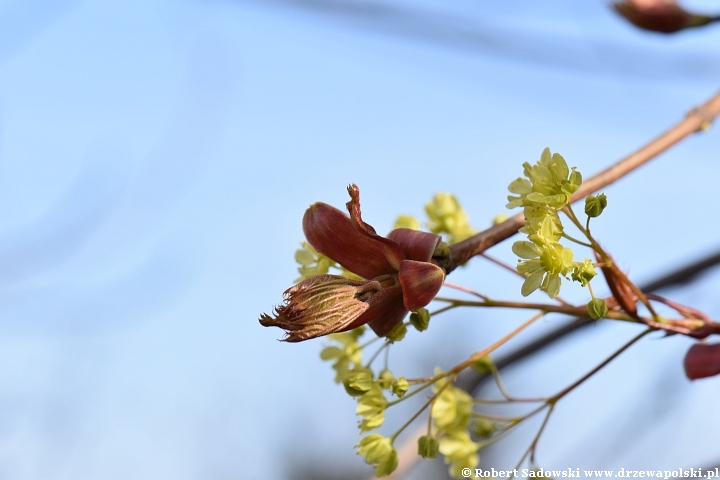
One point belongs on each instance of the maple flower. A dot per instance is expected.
(397, 276)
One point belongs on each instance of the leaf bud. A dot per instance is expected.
(420, 319)
(371, 406)
(399, 387)
(483, 365)
(378, 450)
(397, 333)
(386, 378)
(442, 250)
(428, 446)
(597, 308)
(583, 271)
(594, 205)
(482, 427)
(358, 381)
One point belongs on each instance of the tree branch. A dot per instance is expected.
(697, 119)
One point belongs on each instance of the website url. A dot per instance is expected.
(577, 473)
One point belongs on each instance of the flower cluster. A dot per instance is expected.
(446, 215)
(312, 263)
(369, 389)
(547, 188)
(549, 183)
(347, 355)
(451, 413)
(407, 221)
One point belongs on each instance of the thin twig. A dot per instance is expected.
(464, 289)
(697, 119)
(513, 270)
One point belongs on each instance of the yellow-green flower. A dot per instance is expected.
(347, 356)
(371, 406)
(583, 271)
(407, 221)
(451, 413)
(459, 451)
(452, 409)
(543, 221)
(549, 183)
(358, 381)
(397, 333)
(543, 267)
(446, 215)
(597, 308)
(400, 386)
(311, 262)
(378, 450)
(428, 446)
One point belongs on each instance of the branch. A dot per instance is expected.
(697, 119)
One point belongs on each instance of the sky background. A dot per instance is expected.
(155, 162)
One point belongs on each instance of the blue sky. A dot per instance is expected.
(155, 162)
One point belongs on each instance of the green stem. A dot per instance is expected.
(375, 355)
(592, 294)
(368, 343)
(477, 356)
(533, 445)
(443, 309)
(502, 401)
(554, 399)
(575, 240)
(596, 246)
(580, 311)
(507, 428)
(422, 409)
(498, 418)
(418, 390)
(531, 448)
(501, 385)
(514, 271)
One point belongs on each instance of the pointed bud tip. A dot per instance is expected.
(319, 306)
(420, 282)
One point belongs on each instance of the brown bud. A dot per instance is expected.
(663, 16)
(702, 360)
(620, 290)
